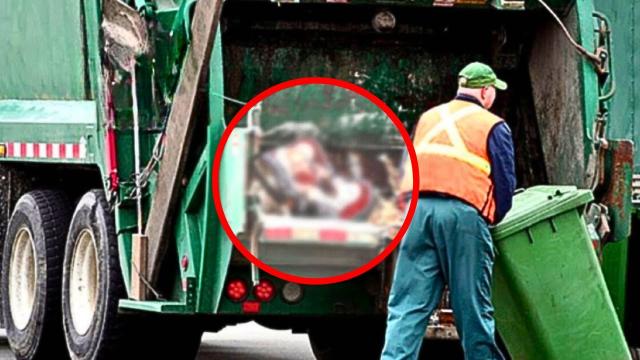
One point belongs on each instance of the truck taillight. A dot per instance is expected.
(264, 290)
(237, 290)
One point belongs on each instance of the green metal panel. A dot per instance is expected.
(636, 84)
(624, 121)
(584, 10)
(91, 25)
(50, 122)
(614, 268)
(71, 113)
(42, 46)
(216, 247)
(166, 307)
(324, 105)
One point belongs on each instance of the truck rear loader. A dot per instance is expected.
(111, 112)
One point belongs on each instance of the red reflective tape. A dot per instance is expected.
(43, 150)
(278, 233)
(251, 307)
(333, 235)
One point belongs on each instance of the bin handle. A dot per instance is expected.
(529, 235)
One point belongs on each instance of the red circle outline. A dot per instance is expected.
(216, 186)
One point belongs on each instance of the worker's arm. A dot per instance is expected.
(503, 172)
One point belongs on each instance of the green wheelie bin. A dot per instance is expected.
(550, 297)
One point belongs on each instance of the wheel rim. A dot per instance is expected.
(23, 278)
(83, 282)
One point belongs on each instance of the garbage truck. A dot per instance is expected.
(110, 116)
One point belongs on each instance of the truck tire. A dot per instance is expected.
(342, 341)
(32, 275)
(92, 288)
(92, 283)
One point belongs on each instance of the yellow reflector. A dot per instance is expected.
(3, 150)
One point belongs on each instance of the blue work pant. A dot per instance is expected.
(447, 242)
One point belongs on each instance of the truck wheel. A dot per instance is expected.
(92, 282)
(342, 341)
(32, 276)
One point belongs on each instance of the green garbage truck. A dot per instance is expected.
(111, 112)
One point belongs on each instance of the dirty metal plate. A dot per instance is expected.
(618, 193)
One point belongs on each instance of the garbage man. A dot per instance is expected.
(467, 180)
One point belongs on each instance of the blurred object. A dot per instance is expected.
(315, 247)
(387, 213)
(299, 178)
(326, 209)
(393, 172)
(289, 131)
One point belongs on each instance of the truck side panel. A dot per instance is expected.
(42, 53)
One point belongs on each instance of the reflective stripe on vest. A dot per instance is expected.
(457, 150)
(451, 143)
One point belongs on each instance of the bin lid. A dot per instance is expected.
(539, 203)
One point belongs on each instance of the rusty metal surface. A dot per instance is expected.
(442, 325)
(558, 104)
(617, 192)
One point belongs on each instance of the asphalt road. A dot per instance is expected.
(248, 341)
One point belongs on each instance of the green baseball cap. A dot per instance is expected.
(477, 75)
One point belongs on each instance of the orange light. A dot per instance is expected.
(3, 150)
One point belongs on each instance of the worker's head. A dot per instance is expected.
(479, 81)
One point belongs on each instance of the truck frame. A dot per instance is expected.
(111, 112)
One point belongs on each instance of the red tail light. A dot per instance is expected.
(237, 290)
(264, 291)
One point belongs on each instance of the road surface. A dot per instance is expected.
(251, 341)
(248, 341)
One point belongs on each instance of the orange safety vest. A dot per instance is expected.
(451, 142)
